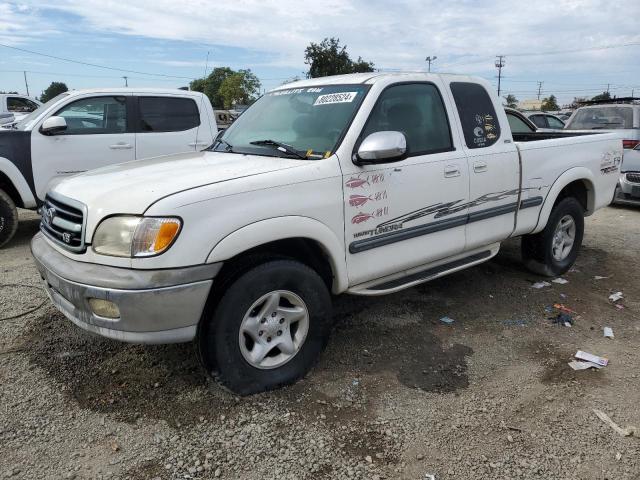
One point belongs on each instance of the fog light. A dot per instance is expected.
(104, 308)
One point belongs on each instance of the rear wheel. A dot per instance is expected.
(554, 250)
(8, 218)
(268, 329)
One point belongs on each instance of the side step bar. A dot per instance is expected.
(394, 285)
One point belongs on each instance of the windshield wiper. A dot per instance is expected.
(283, 147)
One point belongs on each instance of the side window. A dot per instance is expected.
(539, 121)
(95, 115)
(415, 110)
(478, 117)
(20, 105)
(517, 124)
(168, 114)
(555, 122)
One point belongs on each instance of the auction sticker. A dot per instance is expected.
(329, 98)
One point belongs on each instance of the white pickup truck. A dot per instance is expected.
(85, 129)
(364, 184)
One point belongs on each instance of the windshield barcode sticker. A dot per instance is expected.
(329, 98)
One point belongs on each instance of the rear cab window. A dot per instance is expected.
(604, 117)
(518, 125)
(167, 114)
(480, 124)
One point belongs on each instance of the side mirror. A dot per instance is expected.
(53, 126)
(381, 147)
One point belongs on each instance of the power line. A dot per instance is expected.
(93, 64)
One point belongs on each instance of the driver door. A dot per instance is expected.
(412, 212)
(98, 134)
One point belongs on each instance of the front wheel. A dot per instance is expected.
(268, 329)
(8, 218)
(554, 250)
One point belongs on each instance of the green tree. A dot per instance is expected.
(602, 96)
(241, 87)
(549, 104)
(510, 101)
(53, 90)
(330, 58)
(210, 86)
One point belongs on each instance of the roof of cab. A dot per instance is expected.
(134, 90)
(360, 78)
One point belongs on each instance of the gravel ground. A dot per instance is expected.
(397, 394)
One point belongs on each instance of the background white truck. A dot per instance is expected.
(85, 129)
(365, 184)
(14, 107)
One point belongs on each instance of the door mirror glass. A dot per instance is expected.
(381, 147)
(53, 125)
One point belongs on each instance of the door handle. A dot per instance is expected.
(451, 171)
(199, 144)
(120, 146)
(479, 167)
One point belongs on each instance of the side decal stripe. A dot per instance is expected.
(437, 226)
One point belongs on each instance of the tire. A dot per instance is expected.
(230, 342)
(538, 249)
(8, 218)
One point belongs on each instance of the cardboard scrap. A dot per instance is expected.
(577, 365)
(590, 357)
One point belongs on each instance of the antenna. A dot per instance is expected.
(206, 69)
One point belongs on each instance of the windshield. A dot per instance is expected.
(605, 118)
(27, 121)
(305, 122)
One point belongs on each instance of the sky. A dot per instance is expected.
(557, 42)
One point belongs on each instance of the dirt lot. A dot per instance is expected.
(397, 394)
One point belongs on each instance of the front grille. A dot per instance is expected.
(63, 222)
(633, 177)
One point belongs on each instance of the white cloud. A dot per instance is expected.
(464, 34)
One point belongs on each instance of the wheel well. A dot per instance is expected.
(7, 185)
(304, 250)
(582, 191)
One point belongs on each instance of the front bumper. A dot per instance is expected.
(156, 306)
(627, 192)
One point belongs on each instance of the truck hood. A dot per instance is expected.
(132, 187)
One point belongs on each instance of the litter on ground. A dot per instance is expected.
(608, 332)
(598, 277)
(541, 285)
(578, 365)
(590, 357)
(614, 297)
(447, 320)
(625, 432)
(563, 319)
(560, 281)
(564, 308)
(619, 306)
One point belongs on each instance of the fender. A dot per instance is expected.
(281, 228)
(571, 175)
(18, 180)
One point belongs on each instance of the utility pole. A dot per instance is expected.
(608, 85)
(499, 64)
(25, 82)
(126, 81)
(430, 59)
(539, 89)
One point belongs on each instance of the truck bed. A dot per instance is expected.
(534, 136)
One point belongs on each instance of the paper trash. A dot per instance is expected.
(589, 357)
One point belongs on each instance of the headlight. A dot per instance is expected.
(129, 236)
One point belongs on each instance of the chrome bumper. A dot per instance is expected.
(627, 192)
(156, 306)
